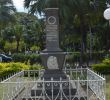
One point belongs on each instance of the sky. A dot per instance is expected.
(19, 5)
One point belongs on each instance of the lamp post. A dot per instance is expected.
(107, 17)
(107, 14)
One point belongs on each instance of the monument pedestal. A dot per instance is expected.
(54, 75)
(55, 84)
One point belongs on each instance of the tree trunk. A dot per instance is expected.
(83, 39)
(17, 46)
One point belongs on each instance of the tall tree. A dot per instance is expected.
(18, 30)
(6, 12)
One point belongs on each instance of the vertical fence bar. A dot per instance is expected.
(43, 89)
(61, 90)
(51, 84)
(87, 89)
(70, 89)
(71, 77)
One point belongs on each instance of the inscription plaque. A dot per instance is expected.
(52, 31)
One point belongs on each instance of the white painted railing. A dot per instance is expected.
(82, 84)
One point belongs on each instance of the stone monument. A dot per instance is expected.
(52, 57)
(53, 60)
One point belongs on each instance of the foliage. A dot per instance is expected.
(27, 29)
(75, 57)
(36, 67)
(10, 47)
(107, 55)
(35, 48)
(7, 68)
(6, 12)
(32, 58)
(72, 58)
(2, 43)
(103, 67)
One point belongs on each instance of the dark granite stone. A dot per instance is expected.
(55, 87)
(52, 30)
(60, 56)
(56, 75)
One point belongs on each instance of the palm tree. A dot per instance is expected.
(38, 6)
(18, 32)
(6, 12)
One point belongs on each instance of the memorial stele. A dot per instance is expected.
(52, 57)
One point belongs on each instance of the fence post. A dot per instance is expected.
(43, 89)
(52, 86)
(87, 89)
(70, 89)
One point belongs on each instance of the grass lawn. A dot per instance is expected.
(1, 90)
(108, 87)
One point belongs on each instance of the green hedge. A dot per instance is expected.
(75, 57)
(103, 67)
(71, 58)
(8, 68)
(32, 58)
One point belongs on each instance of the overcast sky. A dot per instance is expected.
(19, 5)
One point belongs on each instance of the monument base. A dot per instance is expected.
(55, 74)
(55, 83)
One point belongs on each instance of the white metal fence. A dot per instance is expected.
(82, 84)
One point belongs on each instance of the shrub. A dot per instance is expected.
(103, 67)
(20, 57)
(34, 58)
(106, 61)
(10, 47)
(7, 68)
(36, 67)
(75, 57)
(71, 58)
(35, 48)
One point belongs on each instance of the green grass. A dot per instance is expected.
(108, 87)
(1, 91)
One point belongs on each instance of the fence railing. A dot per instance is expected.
(82, 84)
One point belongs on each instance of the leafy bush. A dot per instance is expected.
(35, 48)
(75, 57)
(71, 58)
(103, 67)
(36, 67)
(10, 47)
(20, 57)
(7, 68)
(34, 58)
(106, 61)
